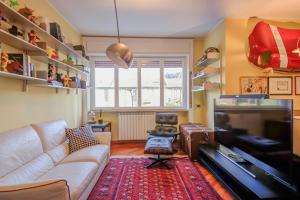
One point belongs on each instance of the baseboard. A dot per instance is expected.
(127, 141)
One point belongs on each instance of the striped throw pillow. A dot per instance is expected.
(80, 138)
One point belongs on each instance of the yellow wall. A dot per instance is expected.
(198, 109)
(237, 64)
(19, 108)
(215, 38)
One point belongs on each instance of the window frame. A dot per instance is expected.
(117, 108)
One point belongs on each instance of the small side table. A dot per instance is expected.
(101, 127)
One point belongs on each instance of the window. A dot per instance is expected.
(128, 87)
(151, 82)
(104, 87)
(173, 87)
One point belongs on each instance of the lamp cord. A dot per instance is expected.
(116, 12)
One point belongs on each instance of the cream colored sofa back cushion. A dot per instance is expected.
(53, 138)
(18, 147)
(52, 133)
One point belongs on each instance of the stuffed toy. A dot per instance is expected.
(4, 62)
(52, 53)
(33, 38)
(13, 3)
(66, 80)
(28, 13)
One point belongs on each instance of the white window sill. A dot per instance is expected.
(140, 109)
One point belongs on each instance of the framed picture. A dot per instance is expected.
(297, 85)
(254, 85)
(281, 85)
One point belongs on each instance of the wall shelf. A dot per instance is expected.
(208, 59)
(36, 52)
(206, 72)
(19, 43)
(60, 64)
(51, 41)
(206, 86)
(22, 77)
(56, 87)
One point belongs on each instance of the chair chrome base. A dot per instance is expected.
(160, 161)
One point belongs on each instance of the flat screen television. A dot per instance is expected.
(260, 130)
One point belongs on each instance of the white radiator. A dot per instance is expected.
(134, 125)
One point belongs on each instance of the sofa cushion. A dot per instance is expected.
(58, 153)
(78, 175)
(29, 172)
(95, 153)
(18, 147)
(80, 138)
(52, 133)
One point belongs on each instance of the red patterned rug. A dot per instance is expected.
(127, 178)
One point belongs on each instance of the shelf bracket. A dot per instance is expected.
(68, 91)
(25, 86)
(56, 90)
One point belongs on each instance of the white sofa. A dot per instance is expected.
(35, 164)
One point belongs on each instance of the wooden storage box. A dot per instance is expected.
(192, 136)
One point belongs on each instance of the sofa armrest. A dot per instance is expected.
(104, 138)
(47, 190)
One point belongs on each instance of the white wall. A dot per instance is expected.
(96, 45)
(142, 46)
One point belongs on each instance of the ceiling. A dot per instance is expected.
(166, 18)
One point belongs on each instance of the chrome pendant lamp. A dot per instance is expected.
(119, 53)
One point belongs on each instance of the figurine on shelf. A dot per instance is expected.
(52, 53)
(4, 62)
(51, 72)
(3, 18)
(4, 23)
(15, 31)
(59, 77)
(32, 37)
(13, 3)
(68, 61)
(66, 80)
(28, 13)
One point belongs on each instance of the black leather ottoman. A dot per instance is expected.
(159, 146)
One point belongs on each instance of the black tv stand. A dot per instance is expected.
(231, 159)
(239, 182)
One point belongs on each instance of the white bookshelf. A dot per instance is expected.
(36, 52)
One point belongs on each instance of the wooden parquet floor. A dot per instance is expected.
(137, 149)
